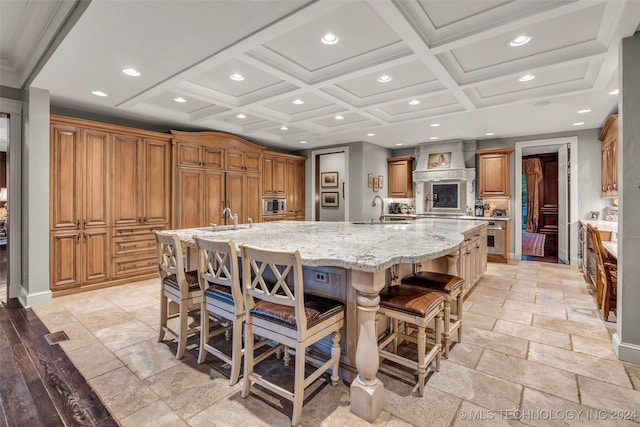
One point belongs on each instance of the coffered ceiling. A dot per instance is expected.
(452, 58)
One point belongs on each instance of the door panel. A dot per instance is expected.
(96, 192)
(96, 255)
(65, 259)
(213, 198)
(66, 177)
(190, 190)
(212, 158)
(235, 196)
(563, 205)
(157, 188)
(126, 177)
(253, 199)
(279, 176)
(189, 155)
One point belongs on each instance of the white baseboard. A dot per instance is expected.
(39, 298)
(626, 351)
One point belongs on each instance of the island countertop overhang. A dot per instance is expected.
(364, 247)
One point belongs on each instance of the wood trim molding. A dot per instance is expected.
(107, 126)
(496, 150)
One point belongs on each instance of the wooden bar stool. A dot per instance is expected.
(451, 288)
(416, 308)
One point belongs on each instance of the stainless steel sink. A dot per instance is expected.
(380, 223)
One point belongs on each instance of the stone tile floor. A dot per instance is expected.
(534, 352)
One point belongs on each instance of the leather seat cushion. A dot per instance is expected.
(410, 300)
(316, 309)
(191, 277)
(220, 292)
(441, 282)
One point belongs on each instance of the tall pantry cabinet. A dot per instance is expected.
(110, 190)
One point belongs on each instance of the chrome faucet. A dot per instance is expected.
(373, 203)
(232, 215)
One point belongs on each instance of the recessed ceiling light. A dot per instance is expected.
(371, 134)
(384, 78)
(180, 99)
(330, 39)
(284, 128)
(131, 72)
(398, 143)
(520, 40)
(241, 116)
(236, 77)
(490, 133)
(614, 92)
(527, 77)
(434, 125)
(586, 110)
(99, 93)
(578, 123)
(414, 102)
(433, 137)
(303, 142)
(339, 117)
(298, 101)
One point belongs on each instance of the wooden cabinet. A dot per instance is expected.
(295, 189)
(79, 177)
(201, 197)
(400, 177)
(472, 261)
(241, 161)
(244, 196)
(609, 165)
(274, 171)
(193, 155)
(493, 171)
(104, 178)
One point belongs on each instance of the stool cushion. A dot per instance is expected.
(410, 300)
(220, 292)
(441, 282)
(316, 308)
(192, 280)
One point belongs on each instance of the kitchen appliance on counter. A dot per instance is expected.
(394, 208)
(499, 213)
(479, 207)
(274, 206)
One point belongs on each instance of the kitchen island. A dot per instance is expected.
(353, 262)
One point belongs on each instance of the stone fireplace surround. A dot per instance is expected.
(461, 169)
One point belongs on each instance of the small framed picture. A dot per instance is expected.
(329, 179)
(370, 180)
(330, 199)
(375, 184)
(380, 181)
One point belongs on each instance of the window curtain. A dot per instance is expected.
(533, 171)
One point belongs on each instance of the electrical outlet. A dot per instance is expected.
(320, 277)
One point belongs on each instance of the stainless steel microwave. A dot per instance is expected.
(274, 206)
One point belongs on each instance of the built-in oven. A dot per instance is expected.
(274, 206)
(496, 236)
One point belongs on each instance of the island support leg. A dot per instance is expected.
(367, 391)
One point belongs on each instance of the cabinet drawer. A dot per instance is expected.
(137, 231)
(133, 266)
(136, 244)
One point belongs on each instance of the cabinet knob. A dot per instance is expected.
(77, 237)
(140, 220)
(77, 223)
(84, 223)
(144, 219)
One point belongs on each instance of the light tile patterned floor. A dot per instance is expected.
(534, 352)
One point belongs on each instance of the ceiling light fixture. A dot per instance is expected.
(586, 110)
(241, 116)
(527, 77)
(131, 72)
(578, 123)
(298, 101)
(433, 137)
(303, 142)
(614, 92)
(180, 99)
(330, 39)
(398, 143)
(434, 125)
(284, 128)
(339, 117)
(236, 77)
(99, 93)
(490, 133)
(414, 102)
(384, 78)
(520, 41)
(371, 134)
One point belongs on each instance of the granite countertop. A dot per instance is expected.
(602, 225)
(364, 247)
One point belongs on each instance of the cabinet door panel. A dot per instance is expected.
(212, 158)
(65, 259)
(494, 178)
(279, 176)
(96, 255)
(267, 176)
(235, 195)
(292, 187)
(253, 199)
(66, 177)
(189, 155)
(126, 178)
(190, 205)
(252, 162)
(397, 180)
(235, 161)
(96, 192)
(213, 198)
(156, 182)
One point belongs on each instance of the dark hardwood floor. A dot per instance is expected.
(39, 386)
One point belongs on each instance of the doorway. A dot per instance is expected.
(4, 259)
(330, 169)
(556, 218)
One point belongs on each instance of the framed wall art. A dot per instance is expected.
(330, 199)
(439, 161)
(370, 180)
(329, 179)
(375, 184)
(380, 181)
